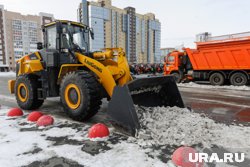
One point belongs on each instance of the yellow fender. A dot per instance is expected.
(27, 66)
(105, 76)
(11, 85)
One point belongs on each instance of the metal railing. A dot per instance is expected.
(229, 36)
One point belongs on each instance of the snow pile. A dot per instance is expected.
(7, 74)
(195, 85)
(176, 126)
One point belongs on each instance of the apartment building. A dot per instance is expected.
(19, 35)
(138, 34)
(3, 60)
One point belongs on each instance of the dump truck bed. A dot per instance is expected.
(231, 54)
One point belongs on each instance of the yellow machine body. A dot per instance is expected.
(109, 72)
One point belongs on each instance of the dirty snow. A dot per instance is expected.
(195, 85)
(176, 126)
(19, 140)
(122, 155)
(7, 74)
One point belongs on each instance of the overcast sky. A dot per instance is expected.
(181, 19)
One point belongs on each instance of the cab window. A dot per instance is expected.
(51, 38)
(171, 58)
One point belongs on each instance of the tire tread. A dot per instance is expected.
(92, 86)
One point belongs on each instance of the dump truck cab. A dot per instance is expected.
(175, 64)
(172, 62)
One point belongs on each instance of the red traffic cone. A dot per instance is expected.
(181, 157)
(14, 112)
(34, 116)
(98, 131)
(45, 120)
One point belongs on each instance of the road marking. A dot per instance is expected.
(221, 111)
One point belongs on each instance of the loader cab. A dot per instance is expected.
(61, 40)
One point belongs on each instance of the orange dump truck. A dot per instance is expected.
(218, 61)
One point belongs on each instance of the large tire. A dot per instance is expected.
(26, 91)
(80, 95)
(177, 76)
(238, 79)
(217, 79)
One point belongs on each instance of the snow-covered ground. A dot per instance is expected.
(7, 74)
(23, 143)
(163, 130)
(195, 85)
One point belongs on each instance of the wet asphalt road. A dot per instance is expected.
(222, 105)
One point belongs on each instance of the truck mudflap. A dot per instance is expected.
(147, 92)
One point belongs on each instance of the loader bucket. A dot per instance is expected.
(148, 92)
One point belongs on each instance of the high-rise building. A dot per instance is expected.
(3, 60)
(19, 35)
(138, 34)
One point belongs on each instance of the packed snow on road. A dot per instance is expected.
(7, 74)
(163, 130)
(195, 85)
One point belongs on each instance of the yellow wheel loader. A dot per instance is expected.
(64, 67)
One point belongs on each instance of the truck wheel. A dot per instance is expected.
(177, 77)
(217, 79)
(238, 79)
(80, 95)
(26, 92)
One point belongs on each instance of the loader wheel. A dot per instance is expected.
(177, 77)
(217, 79)
(238, 79)
(80, 95)
(26, 92)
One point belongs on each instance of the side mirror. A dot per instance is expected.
(92, 33)
(165, 59)
(39, 46)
